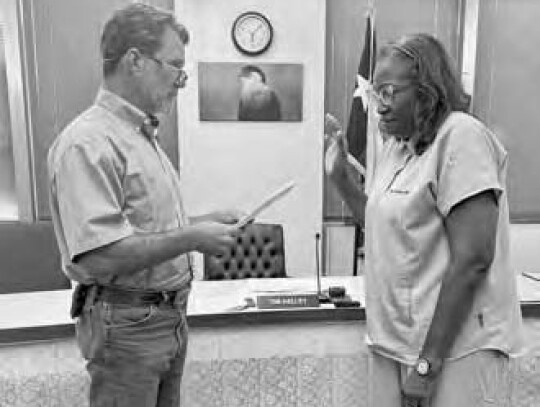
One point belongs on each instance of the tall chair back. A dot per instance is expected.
(258, 253)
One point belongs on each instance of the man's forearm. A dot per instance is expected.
(228, 216)
(137, 252)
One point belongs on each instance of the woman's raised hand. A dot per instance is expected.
(335, 158)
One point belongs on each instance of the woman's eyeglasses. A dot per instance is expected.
(386, 92)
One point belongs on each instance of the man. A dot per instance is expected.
(258, 102)
(119, 221)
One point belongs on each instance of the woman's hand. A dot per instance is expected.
(344, 175)
(417, 390)
(335, 158)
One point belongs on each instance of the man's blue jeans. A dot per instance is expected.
(135, 354)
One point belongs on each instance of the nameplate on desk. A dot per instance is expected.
(289, 300)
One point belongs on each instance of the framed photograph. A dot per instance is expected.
(250, 92)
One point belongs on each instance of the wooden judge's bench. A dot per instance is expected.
(239, 356)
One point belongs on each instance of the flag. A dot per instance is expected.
(358, 116)
(357, 128)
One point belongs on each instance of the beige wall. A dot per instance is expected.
(237, 164)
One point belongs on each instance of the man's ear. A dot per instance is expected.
(134, 60)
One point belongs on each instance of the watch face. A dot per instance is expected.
(252, 33)
(422, 367)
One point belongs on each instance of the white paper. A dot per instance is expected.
(275, 196)
(356, 164)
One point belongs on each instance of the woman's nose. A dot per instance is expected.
(382, 107)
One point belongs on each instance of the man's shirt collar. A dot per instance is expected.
(147, 124)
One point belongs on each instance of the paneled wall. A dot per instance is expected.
(507, 94)
(60, 51)
(65, 72)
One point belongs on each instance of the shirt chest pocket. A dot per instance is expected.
(404, 179)
(411, 196)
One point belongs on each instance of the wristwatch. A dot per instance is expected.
(423, 367)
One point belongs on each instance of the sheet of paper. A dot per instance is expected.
(529, 287)
(356, 164)
(275, 196)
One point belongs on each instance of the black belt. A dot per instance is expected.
(115, 295)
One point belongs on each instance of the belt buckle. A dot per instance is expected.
(168, 297)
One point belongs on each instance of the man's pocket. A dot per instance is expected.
(118, 316)
(90, 330)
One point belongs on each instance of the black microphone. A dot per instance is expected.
(323, 298)
(336, 295)
(317, 240)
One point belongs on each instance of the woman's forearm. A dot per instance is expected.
(471, 227)
(352, 192)
(453, 307)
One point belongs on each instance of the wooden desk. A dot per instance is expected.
(299, 357)
(212, 303)
(293, 357)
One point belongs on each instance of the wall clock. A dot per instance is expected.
(252, 33)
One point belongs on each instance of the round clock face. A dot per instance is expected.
(252, 33)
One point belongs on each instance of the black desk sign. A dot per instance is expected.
(292, 300)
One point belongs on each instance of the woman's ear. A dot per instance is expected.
(427, 97)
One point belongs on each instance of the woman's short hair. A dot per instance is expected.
(138, 26)
(439, 86)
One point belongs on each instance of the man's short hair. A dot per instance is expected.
(136, 26)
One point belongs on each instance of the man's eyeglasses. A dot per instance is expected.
(386, 92)
(182, 74)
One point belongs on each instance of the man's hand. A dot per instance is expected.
(228, 216)
(212, 237)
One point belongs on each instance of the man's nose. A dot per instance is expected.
(180, 82)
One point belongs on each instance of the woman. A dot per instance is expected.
(442, 310)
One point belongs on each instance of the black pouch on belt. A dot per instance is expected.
(78, 299)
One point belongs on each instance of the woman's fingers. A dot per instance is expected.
(331, 125)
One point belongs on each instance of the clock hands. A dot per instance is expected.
(253, 32)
